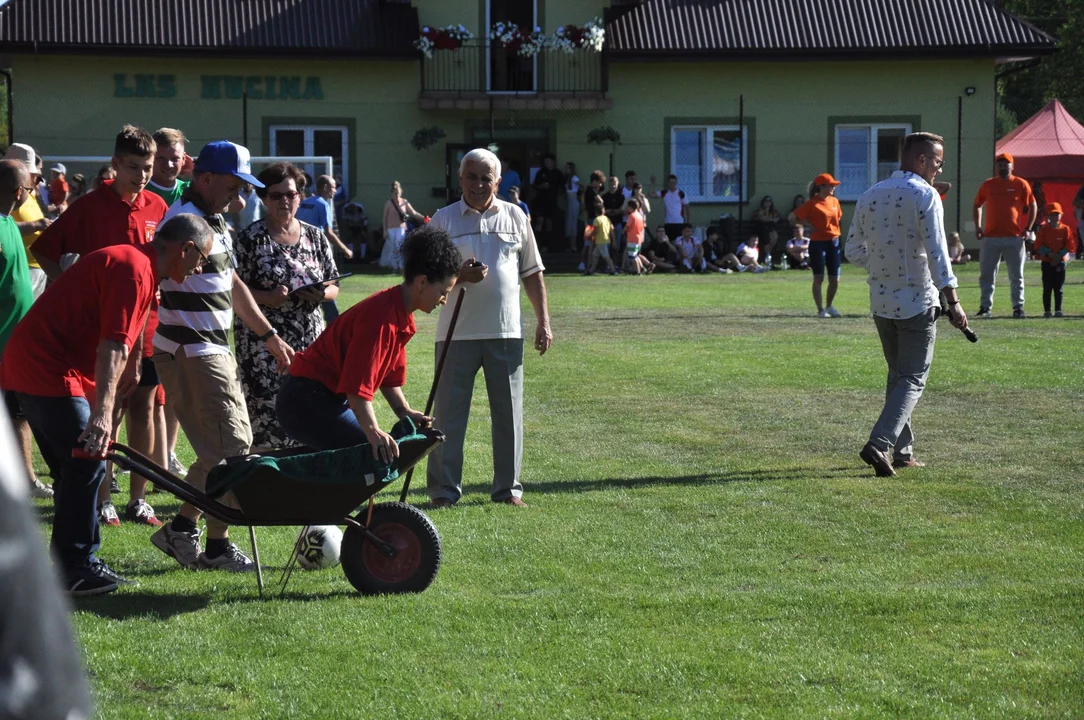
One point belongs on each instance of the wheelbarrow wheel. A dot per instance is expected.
(415, 565)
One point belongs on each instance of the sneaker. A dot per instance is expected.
(726, 271)
(1018, 312)
(1059, 313)
(107, 514)
(179, 545)
(90, 581)
(232, 560)
(742, 268)
(1048, 314)
(103, 570)
(140, 511)
(38, 489)
(984, 312)
(120, 471)
(761, 269)
(581, 267)
(175, 466)
(832, 312)
(823, 314)
(114, 488)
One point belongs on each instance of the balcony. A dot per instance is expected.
(478, 77)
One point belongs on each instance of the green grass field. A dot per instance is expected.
(702, 540)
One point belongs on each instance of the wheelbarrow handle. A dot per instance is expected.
(78, 454)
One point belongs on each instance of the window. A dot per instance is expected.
(320, 140)
(865, 155)
(708, 162)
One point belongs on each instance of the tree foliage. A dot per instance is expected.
(1058, 76)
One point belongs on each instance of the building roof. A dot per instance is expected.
(295, 28)
(828, 29)
(1048, 144)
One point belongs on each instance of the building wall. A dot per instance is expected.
(70, 106)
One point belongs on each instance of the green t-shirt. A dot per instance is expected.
(16, 292)
(169, 195)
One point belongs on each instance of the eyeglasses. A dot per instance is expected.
(204, 260)
(277, 196)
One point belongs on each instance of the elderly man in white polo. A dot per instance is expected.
(489, 331)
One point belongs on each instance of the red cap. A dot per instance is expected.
(825, 179)
(1005, 156)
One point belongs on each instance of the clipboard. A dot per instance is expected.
(325, 283)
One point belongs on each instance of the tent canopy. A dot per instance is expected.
(1047, 146)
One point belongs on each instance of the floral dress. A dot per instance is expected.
(264, 265)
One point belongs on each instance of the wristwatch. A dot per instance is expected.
(267, 335)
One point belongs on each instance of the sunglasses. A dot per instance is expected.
(277, 196)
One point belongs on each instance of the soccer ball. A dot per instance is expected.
(318, 546)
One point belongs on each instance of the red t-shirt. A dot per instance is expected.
(105, 296)
(824, 214)
(58, 191)
(1007, 202)
(363, 350)
(101, 219)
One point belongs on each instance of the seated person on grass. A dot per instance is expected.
(661, 252)
(714, 252)
(326, 401)
(798, 248)
(599, 232)
(956, 253)
(690, 251)
(748, 252)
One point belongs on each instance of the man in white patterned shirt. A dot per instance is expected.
(898, 236)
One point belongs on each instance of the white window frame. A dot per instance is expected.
(489, 49)
(871, 149)
(706, 133)
(310, 130)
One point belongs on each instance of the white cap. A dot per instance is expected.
(59, 167)
(23, 153)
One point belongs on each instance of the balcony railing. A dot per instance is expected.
(478, 68)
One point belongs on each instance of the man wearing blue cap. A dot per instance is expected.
(193, 357)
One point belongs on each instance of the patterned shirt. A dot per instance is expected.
(898, 235)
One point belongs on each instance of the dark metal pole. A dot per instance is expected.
(959, 158)
(11, 107)
(244, 119)
(741, 163)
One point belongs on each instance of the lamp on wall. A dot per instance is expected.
(970, 90)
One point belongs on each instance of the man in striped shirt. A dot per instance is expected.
(195, 362)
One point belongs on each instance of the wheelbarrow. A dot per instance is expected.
(387, 548)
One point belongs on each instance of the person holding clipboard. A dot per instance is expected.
(288, 265)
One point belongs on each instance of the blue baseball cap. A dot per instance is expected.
(225, 158)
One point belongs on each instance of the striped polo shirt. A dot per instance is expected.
(194, 317)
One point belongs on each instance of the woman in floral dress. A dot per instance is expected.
(276, 256)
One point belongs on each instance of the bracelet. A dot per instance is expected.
(267, 335)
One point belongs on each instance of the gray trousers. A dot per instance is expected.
(501, 362)
(908, 349)
(994, 250)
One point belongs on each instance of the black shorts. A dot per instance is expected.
(148, 374)
(12, 404)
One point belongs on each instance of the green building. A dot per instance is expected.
(739, 98)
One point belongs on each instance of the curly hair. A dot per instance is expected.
(429, 251)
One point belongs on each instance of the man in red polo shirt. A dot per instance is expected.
(69, 360)
(120, 212)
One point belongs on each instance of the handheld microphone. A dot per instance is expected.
(967, 331)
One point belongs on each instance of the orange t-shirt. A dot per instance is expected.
(58, 191)
(824, 215)
(634, 228)
(1057, 240)
(1007, 203)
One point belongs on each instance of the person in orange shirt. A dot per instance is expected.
(824, 213)
(1055, 245)
(1010, 207)
(58, 187)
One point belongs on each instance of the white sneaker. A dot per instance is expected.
(175, 466)
(823, 314)
(38, 489)
(232, 560)
(832, 312)
(107, 514)
(181, 546)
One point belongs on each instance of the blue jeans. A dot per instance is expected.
(57, 423)
(908, 350)
(331, 310)
(315, 416)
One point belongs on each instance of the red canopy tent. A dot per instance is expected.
(1049, 147)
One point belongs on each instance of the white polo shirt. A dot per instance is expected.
(502, 239)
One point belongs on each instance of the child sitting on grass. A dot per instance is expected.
(599, 232)
(748, 252)
(956, 253)
(798, 248)
(714, 252)
(690, 251)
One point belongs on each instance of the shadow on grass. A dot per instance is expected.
(139, 603)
